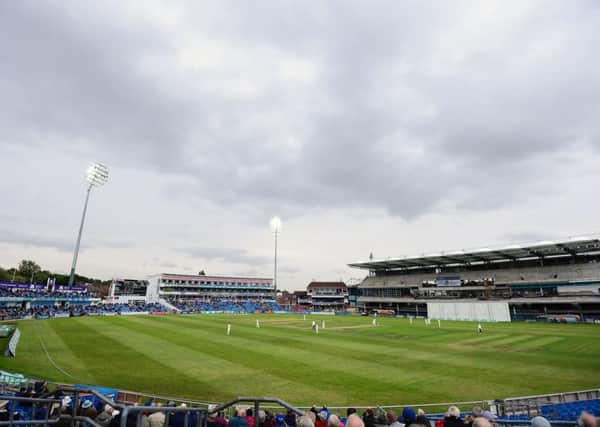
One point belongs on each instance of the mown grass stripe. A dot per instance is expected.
(349, 362)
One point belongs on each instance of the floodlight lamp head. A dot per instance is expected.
(275, 224)
(97, 175)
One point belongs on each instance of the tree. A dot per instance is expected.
(27, 268)
(4, 275)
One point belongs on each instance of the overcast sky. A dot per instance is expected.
(397, 128)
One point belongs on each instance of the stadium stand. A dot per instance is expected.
(571, 410)
(543, 280)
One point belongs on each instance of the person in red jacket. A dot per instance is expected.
(321, 420)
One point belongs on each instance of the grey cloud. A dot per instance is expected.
(230, 255)
(407, 110)
(36, 240)
(59, 243)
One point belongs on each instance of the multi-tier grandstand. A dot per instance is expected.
(194, 293)
(551, 280)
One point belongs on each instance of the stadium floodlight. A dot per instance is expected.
(96, 175)
(275, 228)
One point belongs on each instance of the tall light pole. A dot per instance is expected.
(275, 228)
(96, 175)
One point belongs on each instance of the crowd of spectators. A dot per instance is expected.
(199, 306)
(75, 310)
(41, 293)
(375, 418)
(108, 416)
(11, 311)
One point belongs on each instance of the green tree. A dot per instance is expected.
(4, 275)
(28, 268)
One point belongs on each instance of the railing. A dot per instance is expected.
(530, 405)
(52, 405)
(46, 409)
(200, 414)
(50, 410)
(516, 423)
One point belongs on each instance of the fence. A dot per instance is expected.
(530, 405)
(48, 410)
(43, 410)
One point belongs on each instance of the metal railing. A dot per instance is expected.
(47, 409)
(531, 405)
(130, 415)
(514, 423)
(50, 410)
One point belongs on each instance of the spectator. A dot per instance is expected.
(489, 416)
(239, 420)
(215, 419)
(334, 421)
(392, 419)
(408, 416)
(541, 422)
(262, 418)
(105, 417)
(157, 419)
(452, 418)
(270, 419)
(354, 421)
(381, 421)
(585, 420)
(290, 418)
(321, 419)
(481, 422)
(177, 419)
(421, 421)
(279, 420)
(250, 417)
(306, 420)
(87, 409)
(477, 411)
(369, 418)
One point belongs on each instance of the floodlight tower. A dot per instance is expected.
(275, 228)
(96, 175)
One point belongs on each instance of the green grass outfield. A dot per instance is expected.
(349, 362)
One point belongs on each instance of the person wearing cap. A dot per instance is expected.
(87, 409)
(280, 420)
(105, 417)
(408, 416)
(215, 419)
